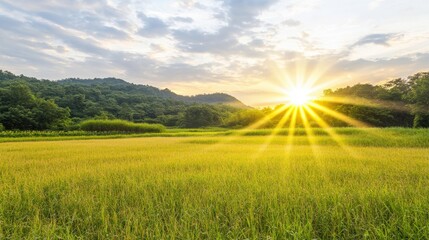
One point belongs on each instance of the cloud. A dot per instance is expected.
(29, 52)
(383, 39)
(291, 22)
(95, 18)
(90, 23)
(244, 12)
(197, 41)
(187, 3)
(241, 17)
(153, 27)
(374, 4)
(182, 19)
(223, 43)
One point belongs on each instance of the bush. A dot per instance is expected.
(120, 126)
(1, 127)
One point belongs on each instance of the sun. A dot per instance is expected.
(299, 96)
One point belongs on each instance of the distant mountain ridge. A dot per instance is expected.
(94, 81)
(212, 98)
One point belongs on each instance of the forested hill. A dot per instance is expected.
(116, 84)
(107, 98)
(119, 84)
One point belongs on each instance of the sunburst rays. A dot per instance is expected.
(301, 111)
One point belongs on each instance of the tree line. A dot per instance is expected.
(402, 102)
(31, 104)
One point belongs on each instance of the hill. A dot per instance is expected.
(213, 98)
(104, 98)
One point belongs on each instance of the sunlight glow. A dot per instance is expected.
(300, 111)
(299, 96)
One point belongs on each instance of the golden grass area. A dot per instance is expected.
(213, 187)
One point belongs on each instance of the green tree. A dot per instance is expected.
(18, 117)
(398, 89)
(22, 110)
(384, 105)
(244, 118)
(420, 97)
(201, 116)
(48, 115)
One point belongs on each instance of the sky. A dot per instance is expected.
(246, 48)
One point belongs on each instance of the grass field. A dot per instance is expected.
(215, 185)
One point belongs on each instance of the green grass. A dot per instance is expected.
(218, 186)
(386, 137)
(118, 125)
(25, 136)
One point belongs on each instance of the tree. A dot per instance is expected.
(48, 115)
(398, 89)
(245, 118)
(22, 110)
(201, 116)
(18, 117)
(384, 105)
(420, 98)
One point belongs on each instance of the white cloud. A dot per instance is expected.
(374, 4)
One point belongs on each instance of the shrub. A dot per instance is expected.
(120, 126)
(1, 127)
